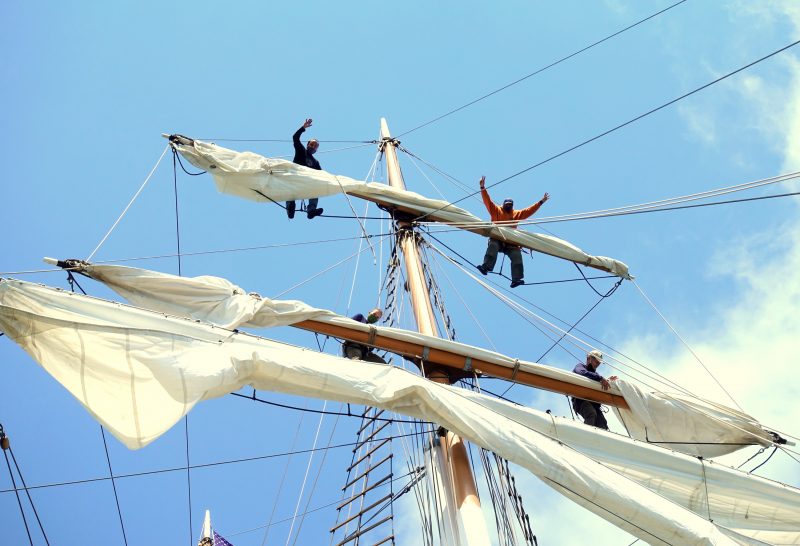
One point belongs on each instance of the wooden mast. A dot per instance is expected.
(453, 452)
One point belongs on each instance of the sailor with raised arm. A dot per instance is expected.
(305, 156)
(506, 216)
(357, 351)
(590, 411)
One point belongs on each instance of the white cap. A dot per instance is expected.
(595, 354)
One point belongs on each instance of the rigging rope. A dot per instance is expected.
(177, 218)
(321, 412)
(648, 300)
(14, 484)
(301, 283)
(5, 445)
(113, 485)
(621, 125)
(649, 373)
(540, 70)
(188, 474)
(576, 342)
(643, 208)
(586, 314)
(305, 476)
(182, 468)
(283, 476)
(316, 479)
(146, 180)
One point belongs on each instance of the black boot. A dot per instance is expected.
(311, 213)
(483, 269)
(290, 208)
(517, 282)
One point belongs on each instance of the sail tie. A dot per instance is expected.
(516, 369)
(372, 333)
(468, 364)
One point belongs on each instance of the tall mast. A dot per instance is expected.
(453, 452)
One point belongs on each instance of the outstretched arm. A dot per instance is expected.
(530, 211)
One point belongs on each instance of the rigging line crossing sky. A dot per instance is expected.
(540, 70)
(685, 344)
(620, 126)
(114, 485)
(660, 204)
(519, 309)
(447, 229)
(575, 341)
(195, 466)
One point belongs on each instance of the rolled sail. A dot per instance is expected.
(259, 178)
(685, 424)
(138, 372)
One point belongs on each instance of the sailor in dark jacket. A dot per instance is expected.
(357, 351)
(305, 156)
(590, 411)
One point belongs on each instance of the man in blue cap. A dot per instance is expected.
(506, 216)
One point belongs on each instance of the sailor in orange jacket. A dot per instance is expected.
(506, 216)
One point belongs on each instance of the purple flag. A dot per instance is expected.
(219, 541)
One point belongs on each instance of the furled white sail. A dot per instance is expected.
(258, 178)
(138, 372)
(687, 424)
(211, 299)
(702, 428)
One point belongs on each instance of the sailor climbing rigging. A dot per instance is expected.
(590, 411)
(305, 156)
(509, 217)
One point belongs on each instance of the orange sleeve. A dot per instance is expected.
(528, 212)
(491, 206)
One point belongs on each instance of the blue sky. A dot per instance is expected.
(89, 88)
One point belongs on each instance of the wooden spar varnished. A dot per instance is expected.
(451, 447)
(456, 362)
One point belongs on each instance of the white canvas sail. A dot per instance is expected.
(702, 428)
(138, 372)
(686, 424)
(252, 176)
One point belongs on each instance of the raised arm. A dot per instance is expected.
(298, 146)
(491, 206)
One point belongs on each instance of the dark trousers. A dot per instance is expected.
(512, 251)
(590, 411)
(356, 351)
(312, 203)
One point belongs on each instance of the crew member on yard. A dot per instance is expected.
(506, 216)
(590, 411)
(357, 351)
(305, 156)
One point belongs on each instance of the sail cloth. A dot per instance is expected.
(258, 178)
(138, 372)
(210, 299)
(708, 429)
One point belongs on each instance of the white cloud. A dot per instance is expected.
(750, 338)
(700, 123)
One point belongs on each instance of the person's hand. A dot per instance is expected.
(307, 123)
(545, 197)
(483, 182)
(613, 378)
(605, 384)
